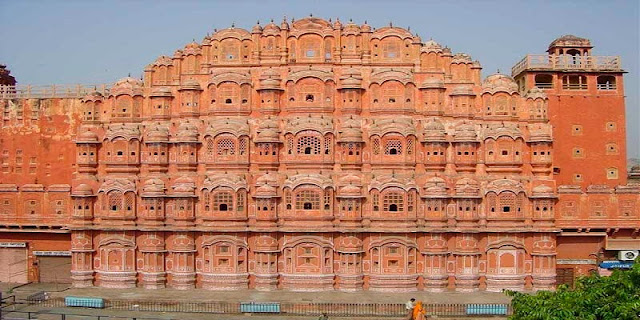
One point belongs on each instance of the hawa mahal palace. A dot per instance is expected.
(321, 155)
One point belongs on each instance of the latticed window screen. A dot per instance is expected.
(410, 201)
(240, 201)
(206, 197)
(434, 205)
(289, 145)
(115, 200)
(226, 147)
(210, 148)
(507, 201)
(129, 201)
(409, 146)
(519, 202)
(287, 198)
(375, 198)
(308, 145)
(376, 146)
(223, 201)
(327, 199)
(327, 145)
(393, 201)
(393, 147)
(307, 200)
(492, 201)
(242, 146)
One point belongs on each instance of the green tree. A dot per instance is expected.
(616, 297)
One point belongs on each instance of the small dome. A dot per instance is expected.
(266, 191)
(542, 191)
(268, 135)
(466, 132)
(163, 61)
(431, 46)
(570, 40)
(192, 45)
(536, 93)
(257, 28)
(157, 134)
(432, 83)
(128, 82)
(184, 186)
(499, 82)
(351, 135)
(365, 27)
(351, 79)
(153, 187)
(127, 86)
(284, 25)
(434, 131)
(271, 28)
(267, 178)
(82, 189)
(88, 136)
(187, 132)
(350, 191)
(270, 79)
(190, 84)
(93, 96)
(435, 187)
(161, 92)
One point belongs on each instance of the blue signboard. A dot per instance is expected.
(616, 264)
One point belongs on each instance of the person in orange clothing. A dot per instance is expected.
(419, 312)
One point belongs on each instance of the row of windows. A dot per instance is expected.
(576, 82)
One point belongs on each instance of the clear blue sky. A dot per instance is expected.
(73, 41)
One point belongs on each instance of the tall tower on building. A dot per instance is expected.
(586, 109)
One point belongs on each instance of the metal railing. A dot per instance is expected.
(296, 309)
(19, 315)
(51, 91)
(566, 62)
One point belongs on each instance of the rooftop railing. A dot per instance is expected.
(51, 91)
(566, 62)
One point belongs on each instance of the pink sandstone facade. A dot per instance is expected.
(320, 156)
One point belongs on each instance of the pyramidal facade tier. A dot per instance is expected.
(316, 155)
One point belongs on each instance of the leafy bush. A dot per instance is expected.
(616, 297)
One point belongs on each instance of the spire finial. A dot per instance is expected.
(390, 24)
(311, 15)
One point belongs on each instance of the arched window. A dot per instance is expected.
(574, 82)
(544, 81)
(308, 145)
(606, 83)
(308, 200)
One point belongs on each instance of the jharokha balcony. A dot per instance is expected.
(543, 62)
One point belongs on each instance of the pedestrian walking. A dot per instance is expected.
(409, 306)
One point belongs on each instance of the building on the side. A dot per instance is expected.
(316, 155)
